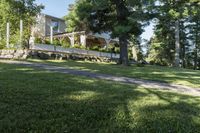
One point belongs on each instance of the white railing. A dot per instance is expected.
(52, 48)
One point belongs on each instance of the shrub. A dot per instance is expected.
(2, 43)
(38, 40)
(95, 48)
(82, 47)
(111, 47)
(103, 50)
(158, 62)
(76, 46)
(140, 65)
(47, 41)
(56, 42)
(65, 43)
(151, 62)
(117, 50)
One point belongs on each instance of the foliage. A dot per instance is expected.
(122, 18)
(38, 40)
(13, 11)
(76, 46)
(162, 48)
(95, 48)
(74, 22)
(57, 42)
(140, 64)
(65, 43)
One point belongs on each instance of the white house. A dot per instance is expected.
(45, 22)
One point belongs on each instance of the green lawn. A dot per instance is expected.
(38, 101)
(164, 74)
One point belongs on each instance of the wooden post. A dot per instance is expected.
(51, 34)
(83, 40)
(107, 43)
(8, 35)
(21, 32)
(72, 41)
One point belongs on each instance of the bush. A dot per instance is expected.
(65, 43)
(158, 62)
(77, 46)
(140, 65)
(82, 47)
(2, 44)
(47, 41)
(56, 42)
(151, 62)
(38, 40)
(103, 50)
(95, 48)
(117, 50)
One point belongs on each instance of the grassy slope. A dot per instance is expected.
(38, 101)
(171, 75)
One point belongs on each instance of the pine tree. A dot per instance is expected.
(121, 18)
(194, 30)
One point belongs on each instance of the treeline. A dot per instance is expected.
(12, 11)
(176, 37)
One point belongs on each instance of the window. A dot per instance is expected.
(55, 25)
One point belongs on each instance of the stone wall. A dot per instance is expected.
(14, 54)
(35, 54)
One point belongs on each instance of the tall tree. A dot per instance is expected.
(121, 18)
(12, 11)
(171, 21)
(194, 30)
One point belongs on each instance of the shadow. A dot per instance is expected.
(173, 116)
(154, 73)
(33, 100)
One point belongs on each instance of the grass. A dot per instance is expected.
(39, 101)
(180, 76)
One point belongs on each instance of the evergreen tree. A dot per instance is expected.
(121, 18)
(194, 31)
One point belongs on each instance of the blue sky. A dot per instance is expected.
(58, 8)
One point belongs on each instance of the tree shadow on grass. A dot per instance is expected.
(38, 101)
(179, 114)
(154, 73)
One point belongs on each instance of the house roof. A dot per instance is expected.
(53, 17)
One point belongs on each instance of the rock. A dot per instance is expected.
(24, 54)
(18, 54)
(43, 56)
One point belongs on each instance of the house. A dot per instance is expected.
(44, 23)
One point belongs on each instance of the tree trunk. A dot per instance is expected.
(182, 43)
(177, 45)
(195, 58)
(183, 57)
(122, 16)
(196, 51)
(196, 47)
(123, 51)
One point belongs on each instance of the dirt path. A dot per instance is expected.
(140, 82)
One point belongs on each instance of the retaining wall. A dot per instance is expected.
(40, 54)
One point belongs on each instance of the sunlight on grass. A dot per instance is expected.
(179, 76)
(24, 69)
(82, 95)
